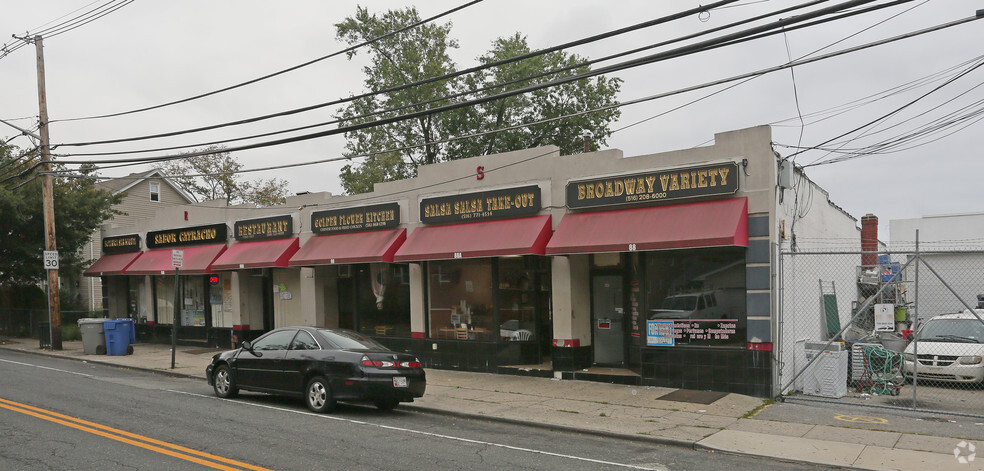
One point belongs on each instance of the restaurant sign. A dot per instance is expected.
(507, 203)
(198, 235)
(121, 244)
(362, 218)
(276, 227)
(658, 186)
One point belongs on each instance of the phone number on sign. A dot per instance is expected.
(646, 197)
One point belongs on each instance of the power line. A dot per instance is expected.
(604, 70)
(459, 94)
(889, 114)
(627, 103)
(280, 72)
(65, 26)
(448, 76)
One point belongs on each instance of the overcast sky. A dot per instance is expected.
(151, 52)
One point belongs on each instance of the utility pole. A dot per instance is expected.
(48, 201)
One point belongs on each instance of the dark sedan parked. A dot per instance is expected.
(321, 365)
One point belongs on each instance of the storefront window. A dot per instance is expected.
(695, 297)
(192, 302)
(382, 299)
(460, 300)
(164, 291)
(521, 288)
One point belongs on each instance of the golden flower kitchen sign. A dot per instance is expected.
(276, 227)
(362, 218)
(650, 187)
(199, 235)
(510, 202)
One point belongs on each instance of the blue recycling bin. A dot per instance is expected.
(120, 336)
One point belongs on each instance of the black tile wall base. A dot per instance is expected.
(534, 373)
(600, 378)
(570, 358)
(485, 357)
(712, 369)
(200, 336)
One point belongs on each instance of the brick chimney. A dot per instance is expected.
(869, 240)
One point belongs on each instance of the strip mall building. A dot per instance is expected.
(654, 269)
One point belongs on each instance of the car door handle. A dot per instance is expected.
(329, 358)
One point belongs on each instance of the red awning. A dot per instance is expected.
(257, 254)
(111, 264)
(197, 260)
(524, 236)
(703, 224)
(355, 247)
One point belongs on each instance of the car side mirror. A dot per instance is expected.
(247, 346)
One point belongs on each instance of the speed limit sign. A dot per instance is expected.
(50, 259)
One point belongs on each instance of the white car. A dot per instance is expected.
(950, 348)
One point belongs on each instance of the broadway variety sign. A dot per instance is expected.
(658, 186)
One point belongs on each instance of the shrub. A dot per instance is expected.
(71, 332)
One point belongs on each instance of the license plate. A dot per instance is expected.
(399, 381)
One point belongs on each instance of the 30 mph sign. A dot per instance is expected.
(50, 259)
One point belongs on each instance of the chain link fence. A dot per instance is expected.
(895, 330)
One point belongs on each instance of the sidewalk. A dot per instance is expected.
(630, 412)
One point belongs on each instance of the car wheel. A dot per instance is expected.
(386, 404)
(223, 384)
(317, 395)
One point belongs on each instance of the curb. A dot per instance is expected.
(103, 363)
(418, 408)
(553, 427)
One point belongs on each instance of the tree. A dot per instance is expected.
(215, 175)
(414, 55)
(422, 53)
(551, 102)
(80, 208)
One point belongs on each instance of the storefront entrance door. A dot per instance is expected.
(608, 320)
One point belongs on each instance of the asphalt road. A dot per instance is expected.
(65, 414)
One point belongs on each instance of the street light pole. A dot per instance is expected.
(48, 201)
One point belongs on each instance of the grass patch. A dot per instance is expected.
(753, 412)
(568, 411)
(602, 415)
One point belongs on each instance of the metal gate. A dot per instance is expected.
(900, 329)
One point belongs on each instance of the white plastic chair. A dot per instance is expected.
(521, 334)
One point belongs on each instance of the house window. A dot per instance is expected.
(155, 191)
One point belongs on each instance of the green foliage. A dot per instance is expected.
(422, 53)
(214, 175)
(80, 208)
(71, 332)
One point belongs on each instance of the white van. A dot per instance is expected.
(703, 305)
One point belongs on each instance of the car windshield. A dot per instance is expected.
(953, 330)
(345, 339)
(679, 303)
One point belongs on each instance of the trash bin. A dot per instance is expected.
(93, 336)
(119, 336)
(44, 333)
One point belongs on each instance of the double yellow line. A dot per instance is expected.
(147, 443)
